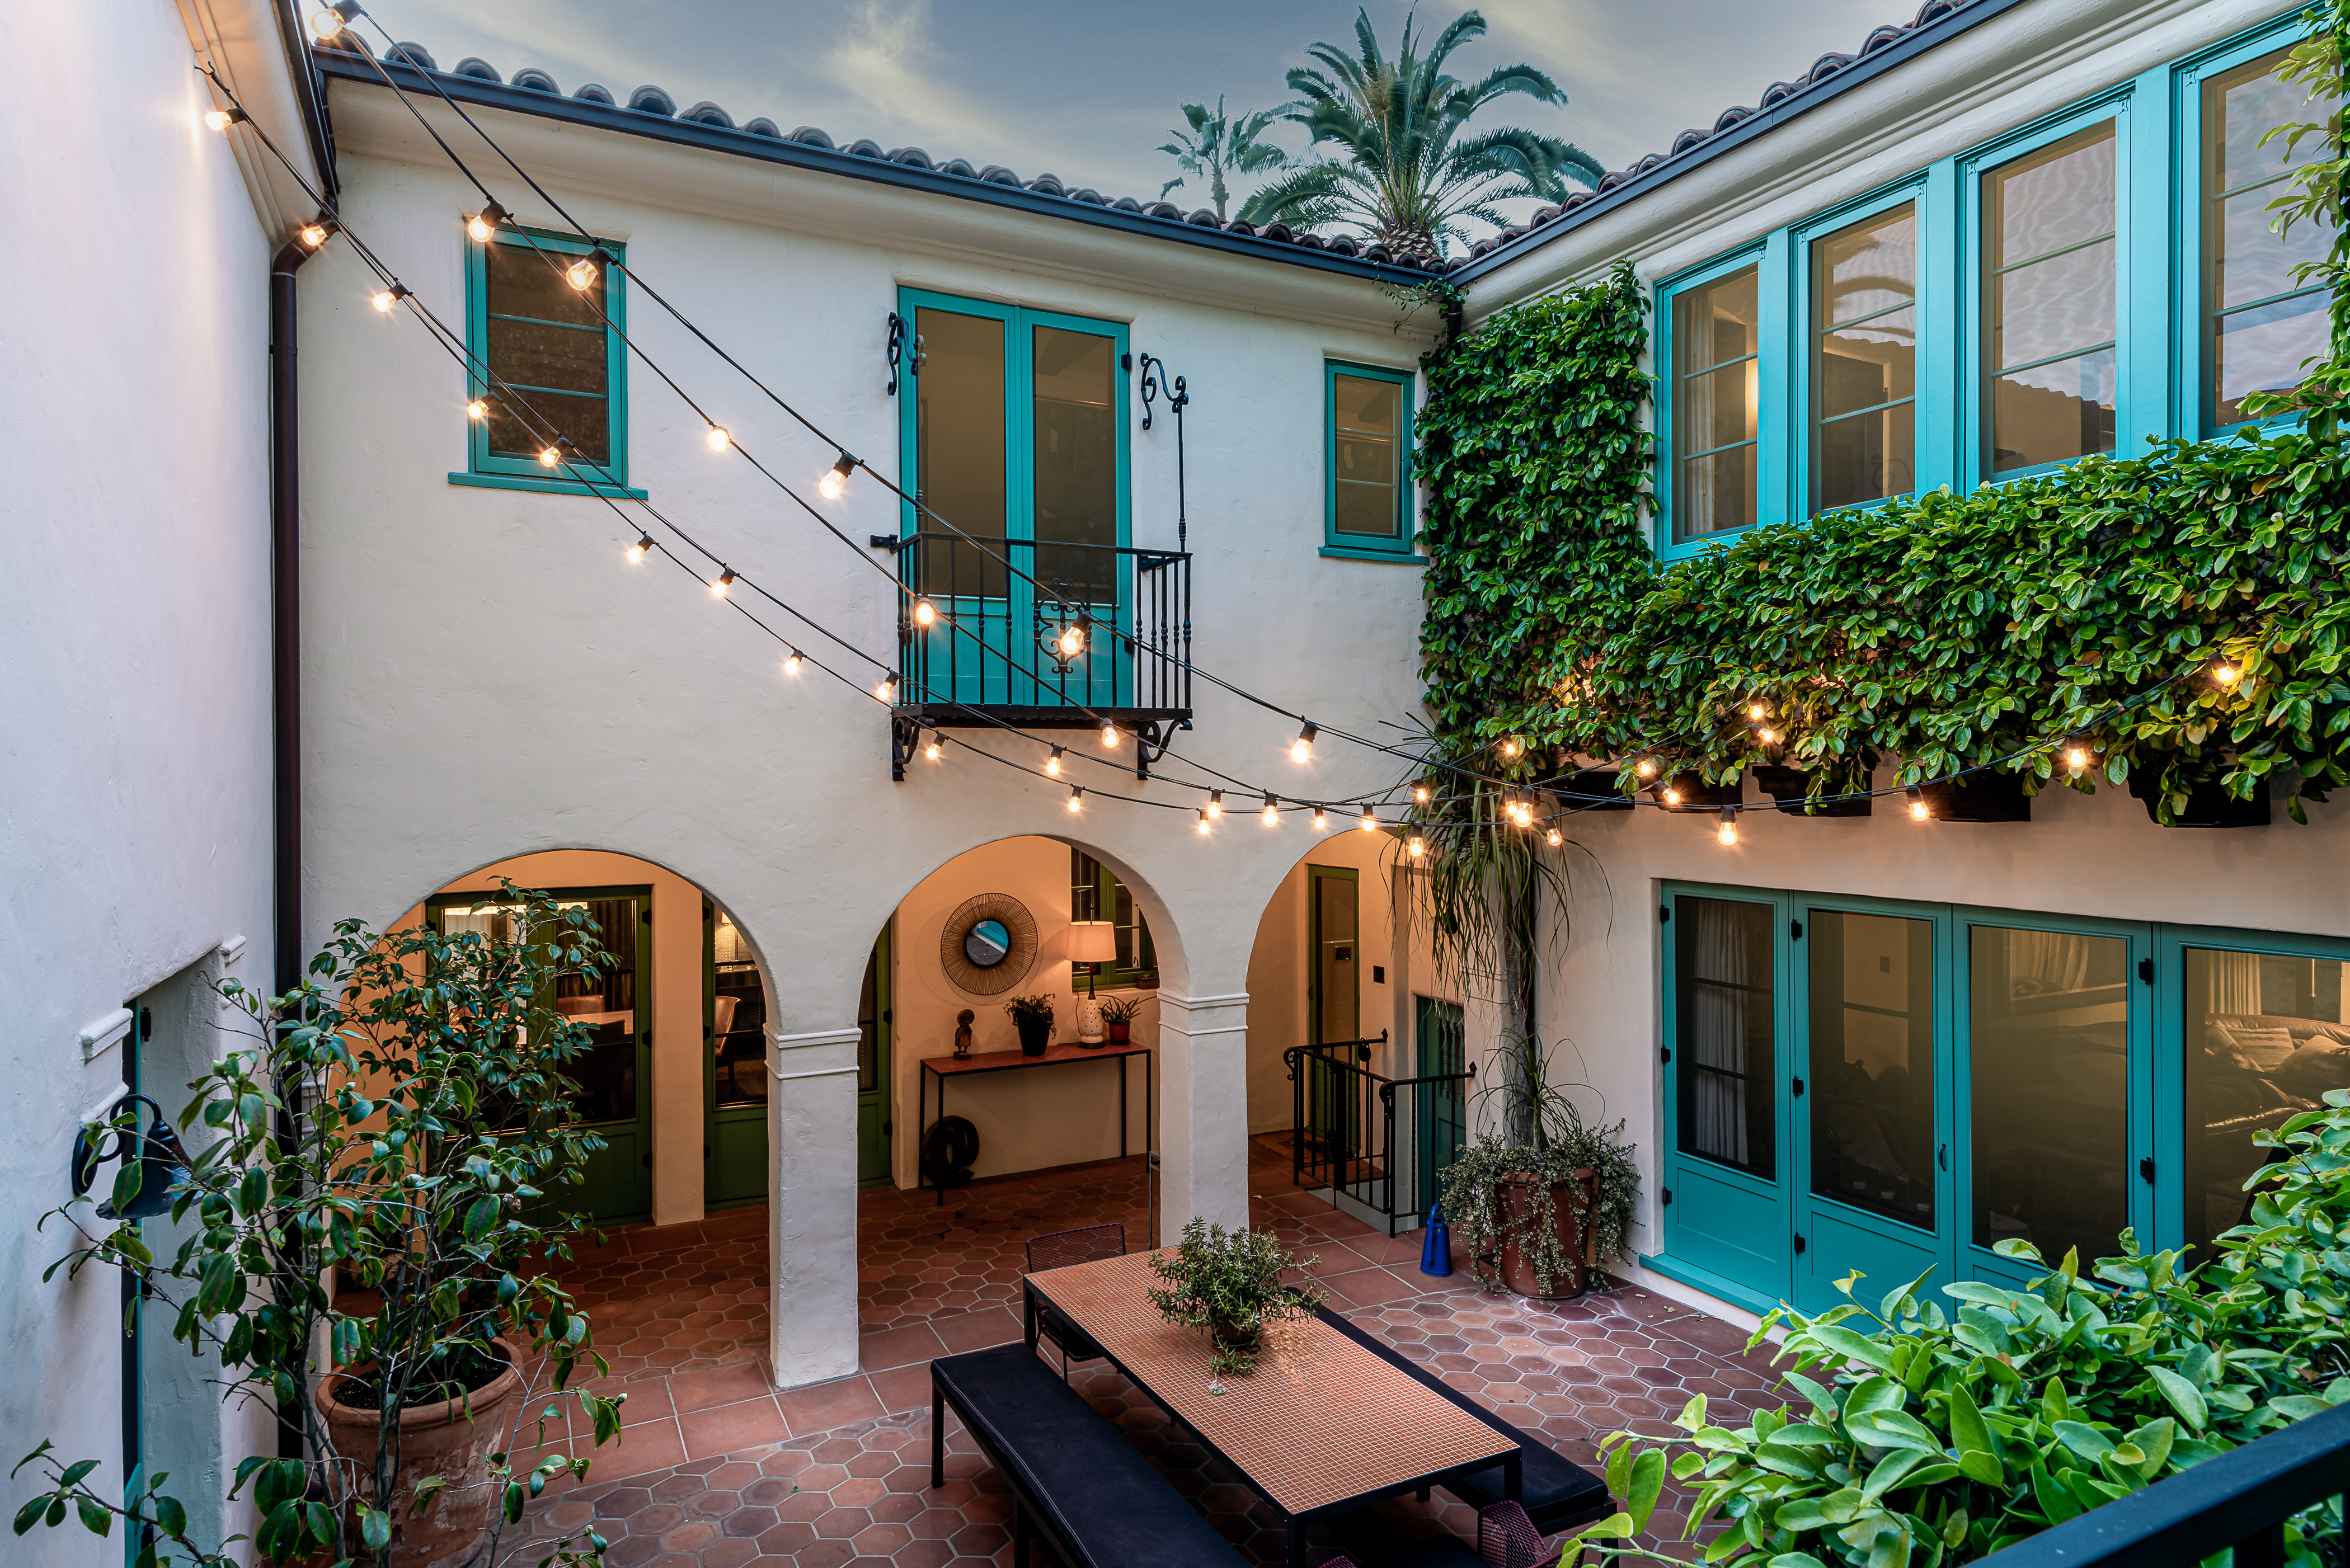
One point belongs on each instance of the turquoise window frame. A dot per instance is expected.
(498, 470)
(2154, 1099)
(1774, 287)
(1359, 546)
(2191, 349)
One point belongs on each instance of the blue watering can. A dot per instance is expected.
(1436, 1249)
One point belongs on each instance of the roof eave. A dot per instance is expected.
(733, 142)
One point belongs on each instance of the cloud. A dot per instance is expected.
(888, 62)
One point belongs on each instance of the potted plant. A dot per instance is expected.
(1229, 1282)
(1118, 1017)
(1033, 1016)
(401, 1121)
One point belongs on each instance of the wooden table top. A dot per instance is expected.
(1320, 1421)
(996, 1061)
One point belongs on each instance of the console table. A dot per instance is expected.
(945, 1067)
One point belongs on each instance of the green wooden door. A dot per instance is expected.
(1443, 1122)
(875, 1125)
(734, 1066)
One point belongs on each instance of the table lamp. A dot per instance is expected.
(1090, 942)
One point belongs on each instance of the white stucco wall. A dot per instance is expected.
(134, 626)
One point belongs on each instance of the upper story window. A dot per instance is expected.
(2049, 296)
(1716, 394)
(557, 351)
(1865, 364)
(1097, 894)
(2262, 325)
(1367, 471)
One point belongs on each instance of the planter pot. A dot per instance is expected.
(1513, 1269)
(1120, 1032)
(434, 1439)
(1233, 1337)
(1036, 1033)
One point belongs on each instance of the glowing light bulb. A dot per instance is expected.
(385, 299)
(2225, 673)
(1215, 806)
(925, 612)
(327, 23)
(1556, 838)
(478, 410)
(887, 690)
(580, 274)
(482, 224)
(725, 581)
(1321, 820)
(933, 747)
(1672, 797)
(1077, 800)
(1052, 763)
(1645, 768)
(549, 457)
(719, 438)
(2076, 757)
(1756, 711)
(222, 118)
(1919, 810)
(1272, 810)
(1370, 823)
(1417, 845)
(315, 234)
(1109, 737)
(1203, 821)
(1727, 834)
(1768, 736)
(1071, 640)
(836, 478)
(1511, 747)
(1420, 795)
(641, 549)
(1302, 749)
(792, 665)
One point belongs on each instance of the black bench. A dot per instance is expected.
(1073, 1473)
(1558, 1493)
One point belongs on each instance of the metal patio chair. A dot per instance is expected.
(1058, 1250)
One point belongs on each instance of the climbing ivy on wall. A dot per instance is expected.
(1930, 635)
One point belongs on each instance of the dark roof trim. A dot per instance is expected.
(310, 95)
(1672, 166)
(874, 166)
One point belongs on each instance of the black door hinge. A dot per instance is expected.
(647, 916)
(1668, 1198)
(1799, 1241)
(2146, 1170)
(1799, 1088)
(1795, 930)
(887, 1129)
(1667, 1052)
(2145, 971)
(649, 1159)
(1664, 914)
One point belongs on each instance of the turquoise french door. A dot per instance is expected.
(1893, 1089)
(1012, 430)
(1443, 1124)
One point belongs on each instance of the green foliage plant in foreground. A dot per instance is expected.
(1921, 1435)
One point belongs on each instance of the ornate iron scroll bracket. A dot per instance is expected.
(905, 349)
(1154, 373)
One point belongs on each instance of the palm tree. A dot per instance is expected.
(1218, 145)
(1409, 176)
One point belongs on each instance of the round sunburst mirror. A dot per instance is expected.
(989, 944)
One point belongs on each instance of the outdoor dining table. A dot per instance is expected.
(1320, 1427)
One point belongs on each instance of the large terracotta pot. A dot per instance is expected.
(1573, 1202)
(434, 1439)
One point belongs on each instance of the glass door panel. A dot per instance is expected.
(1333, 1004)
(1074, 422)
(1443, 1123)
(2049, 1098)
(960, 474)
(736, 1170)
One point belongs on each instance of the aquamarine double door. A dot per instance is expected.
(1853, 1084)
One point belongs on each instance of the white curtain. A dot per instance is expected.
(2039, 962)
(1718, 1026)
(2235, 982)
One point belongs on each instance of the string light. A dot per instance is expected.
(386, 299)
(925, 612)
(479, 409)
(2226, 674)
(1670, 795)
(1645, 768)
(1071, 640)
(936, 745)
(1420, 795)
(792, 665)
(719, 438)
(1556, 837)
(641, 549)
(484, 223)
(887, 690)
(1728, 831)
(1511, 748)
(1919, 810)
(1370, 820)
(2078, 756)
(222, 118)
(1272, 809)
(317, 232)
(1767, 735)
(1052, 763)
(1204, 822)
(580, 274)
(1417, 845)
(1757, 711)
(1215, 806)
(1302, 749)
(334, 18)
(1109, 736)
(836, 478)
(1321, 820)
(725, 581)
(550, 457)
(1077, 800)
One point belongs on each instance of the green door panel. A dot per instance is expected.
(874, 1121)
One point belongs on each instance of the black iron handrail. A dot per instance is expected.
(1116, 641)
(1344, 1120)
(2240, 1500)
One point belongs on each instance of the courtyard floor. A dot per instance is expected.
(717, 1470)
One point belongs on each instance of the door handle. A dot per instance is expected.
(1942, 1156)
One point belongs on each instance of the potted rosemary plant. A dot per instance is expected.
(1033, 1016)
(400, 1121)
(1229, 1282)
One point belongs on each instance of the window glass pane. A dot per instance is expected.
(2265, 325)
(739, 1018)
(2049, 301)
(547, 341)
(1715, 331)
(605, 1004)
(2049, 1059)
(2265, 1041)
(1076, 463)
(1726, 1071)
(1864, 297)
(1872, 1063)
(959, 448)
(1335, 963)
(1368, 444)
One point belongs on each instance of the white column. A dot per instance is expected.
(812, 1205)
(1203, 1111)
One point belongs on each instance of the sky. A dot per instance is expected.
(1088, 89)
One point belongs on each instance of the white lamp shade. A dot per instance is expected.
(1092, 941)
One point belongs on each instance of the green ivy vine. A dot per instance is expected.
(1943, 633)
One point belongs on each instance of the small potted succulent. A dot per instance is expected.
(1118, 1017)
(1033, 1016)
(1229, 1282)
